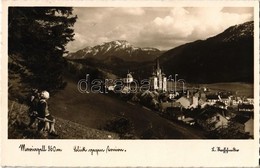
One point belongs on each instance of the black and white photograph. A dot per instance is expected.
(130, 73)
(134, 74)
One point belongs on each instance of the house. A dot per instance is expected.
(195, 100)
(213, 118)
(249, 100)
(221, 120)
(245, 124)
(225, 99)
(185, 102)
(246, 108)
(233, 101)
(175, 95)
(203, 96)
(129, 78)
(203, 101)
(150, 99)
(164, 105)
(147, 93)
(212, 99)
(239, 100)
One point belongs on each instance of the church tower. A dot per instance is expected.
(158, 80)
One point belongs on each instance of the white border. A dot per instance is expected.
(146, 153)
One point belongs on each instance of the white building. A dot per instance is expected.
(129, 79)
(158, 80)
(127, 83)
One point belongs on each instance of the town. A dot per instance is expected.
(224, 114)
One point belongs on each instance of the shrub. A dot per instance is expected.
(123, 126)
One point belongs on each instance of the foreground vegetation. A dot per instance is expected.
(18, 127)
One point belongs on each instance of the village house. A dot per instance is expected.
(127, 83)
(244, 124)
(150, 98)
(212, 99)
(233, 101)
(195, 101)
(221, 120)
(239, 100)
(184, 101)
(203, 100)
(249, 101)
(203, 96)
(245, 108)
(225, 99)
(213, 118)
(164, 105)
(220, 104)
(129, 78)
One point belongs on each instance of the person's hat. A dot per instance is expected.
(45, 95)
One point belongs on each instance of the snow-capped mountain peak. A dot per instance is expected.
(118, 48)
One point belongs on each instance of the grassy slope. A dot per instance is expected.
(18, 118)
(18, 121)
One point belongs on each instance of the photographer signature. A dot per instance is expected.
(224, 149)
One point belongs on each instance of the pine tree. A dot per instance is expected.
(39, 35)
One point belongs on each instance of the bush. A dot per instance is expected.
(123, 126)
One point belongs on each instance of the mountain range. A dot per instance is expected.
(117, 49)
(226, 57)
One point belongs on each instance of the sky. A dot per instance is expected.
(158, 27)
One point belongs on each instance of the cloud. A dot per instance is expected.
(127, 32)
(133, 11)
(188, 24)
(163, 28)
(79, 43)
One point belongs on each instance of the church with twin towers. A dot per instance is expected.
(158, 80)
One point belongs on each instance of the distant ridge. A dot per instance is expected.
(120, 49)
(226, 57)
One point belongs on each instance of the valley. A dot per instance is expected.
(95, 110)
